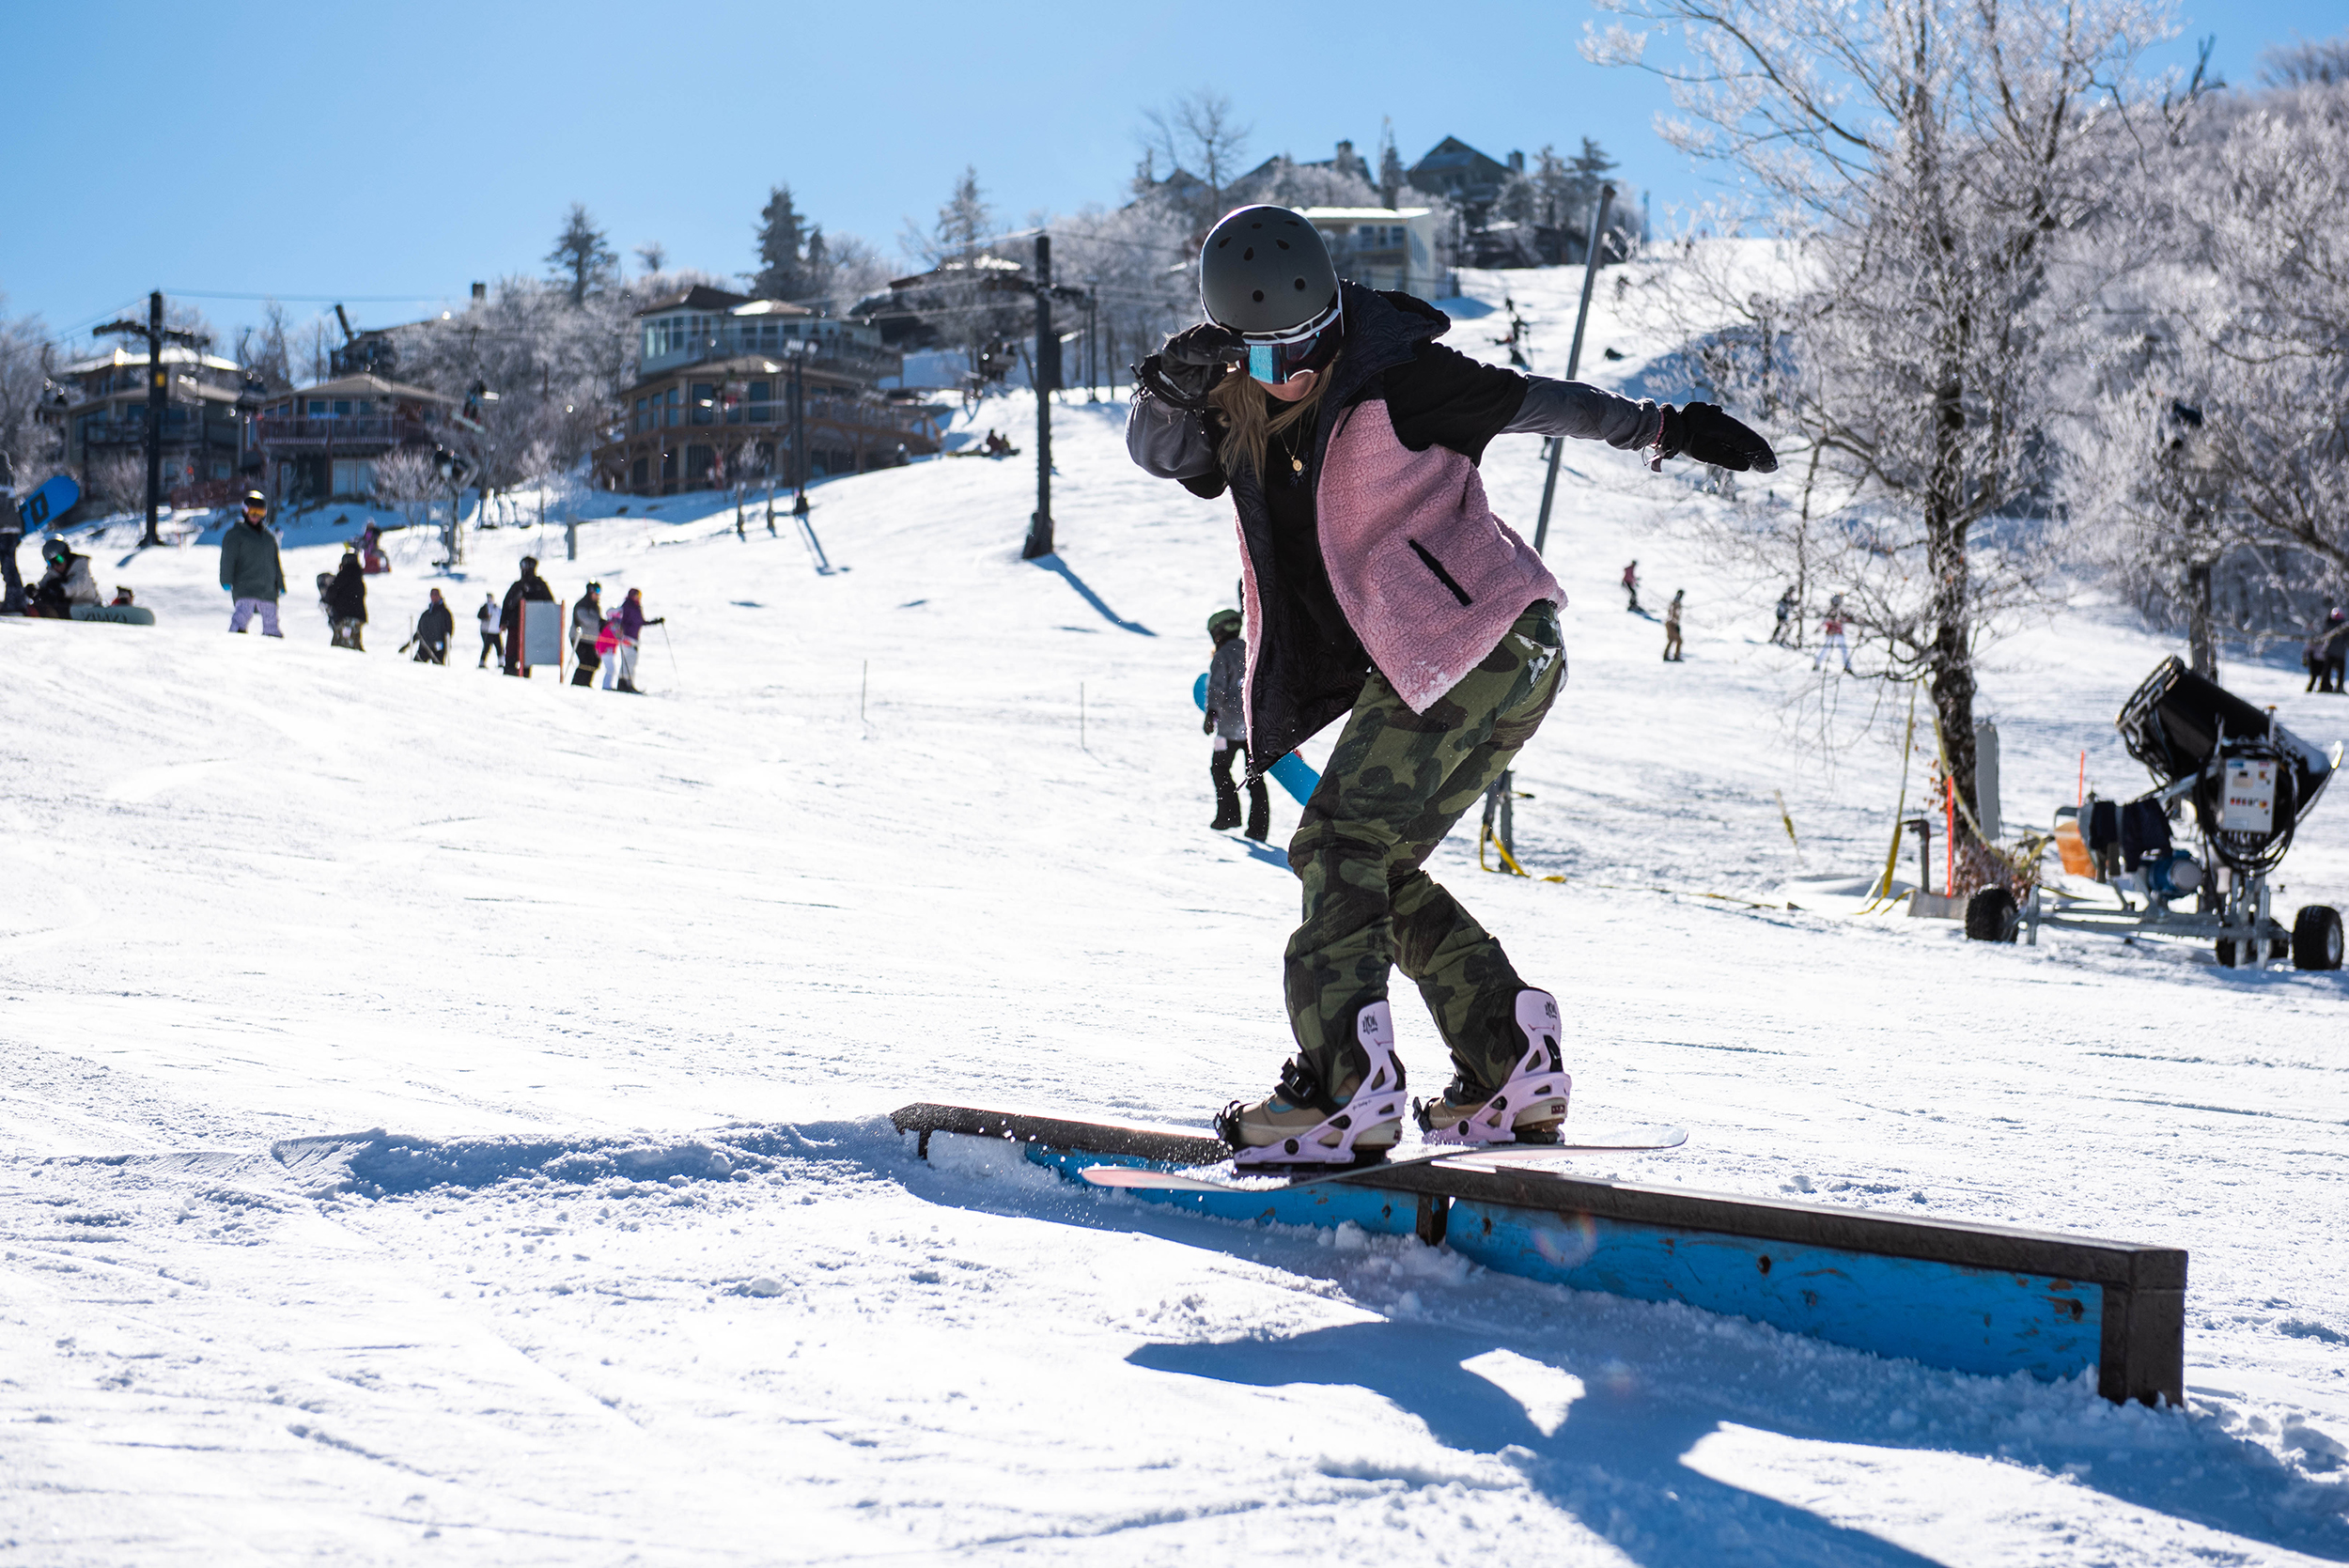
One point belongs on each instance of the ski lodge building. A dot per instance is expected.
(103, 419)
(712, 399)
(321, 443)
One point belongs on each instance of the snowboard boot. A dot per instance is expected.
(1528, 1108)
(628, 687)
(1260, 824)
(1306, 1122)
(1226, 806)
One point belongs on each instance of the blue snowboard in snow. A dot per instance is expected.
(52, 500)
(1290, 772)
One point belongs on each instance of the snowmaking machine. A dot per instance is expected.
(2234, 782)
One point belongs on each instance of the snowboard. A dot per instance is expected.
(1607, 1141)
(121, 615)
(52, 500)
(1290, 772)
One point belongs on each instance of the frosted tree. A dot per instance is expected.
(653, 256)
(28, 450)
(965, 222)
(409, 481)
(583, 259)
(1197, 134)
(2219, 448)
(1939, 163)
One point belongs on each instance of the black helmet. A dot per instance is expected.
(1264, 272)
(530, 562)
(595, 587)
(55, 548)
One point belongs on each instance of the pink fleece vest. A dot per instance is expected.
(1375, 500)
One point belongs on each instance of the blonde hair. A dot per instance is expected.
(1247, 430)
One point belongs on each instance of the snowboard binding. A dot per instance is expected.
(1373, 1112)
(1536, 1091)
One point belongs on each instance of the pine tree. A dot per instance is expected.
(965, 219)
(1391, 177)
(582, 259)
(782, 273)
(1590, 167)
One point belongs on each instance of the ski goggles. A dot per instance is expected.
(1274, 357)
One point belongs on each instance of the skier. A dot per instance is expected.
(12, 535)
(1832, 635)
(1227, 677)
(628, 626)
(1787, 622)
(347, 602)
(1671, 627)
(371, 557)
(65, 584)
(1377, 578)
(251, 569)
(528, 587)
(491, 641)
(2336, 649)
(434, 630)
(586, 626)
(1631, 588)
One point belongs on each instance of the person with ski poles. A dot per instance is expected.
(1631, 588)
(434, 630)
(1832, 635)
(1785, 617)
(629, 623)
(1378, 586)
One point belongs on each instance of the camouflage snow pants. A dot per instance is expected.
(1396, 784)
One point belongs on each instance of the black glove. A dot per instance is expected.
(1184, 371)
(1702, 431)
(658, 620)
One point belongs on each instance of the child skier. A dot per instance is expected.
(1832, 635)
(629, 623)
(586, 627)
(1376, 579)
(1785, 617)
(1227, 678)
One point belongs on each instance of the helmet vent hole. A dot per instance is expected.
(1300, 286)
(1259, 296)
(1249, 254)
(1282, 244)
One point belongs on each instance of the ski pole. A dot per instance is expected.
(672, 648)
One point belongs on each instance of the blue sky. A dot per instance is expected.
(364, 152)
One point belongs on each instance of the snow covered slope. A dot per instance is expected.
(631, 1268)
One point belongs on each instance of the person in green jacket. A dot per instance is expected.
(250, 569)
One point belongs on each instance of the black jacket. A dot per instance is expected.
(529, 585)
(346, 596)
(435, 624)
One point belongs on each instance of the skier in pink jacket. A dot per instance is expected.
(1379, 585)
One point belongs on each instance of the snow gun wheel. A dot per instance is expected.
(2229, 951)
(2316, 938)
(1990, 916)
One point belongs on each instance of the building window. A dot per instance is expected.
(705, 397)
(698, 462)
(668, 466)
(636, 422)
(638, 473)
(317, 408)
(762, 404)
(354, 476)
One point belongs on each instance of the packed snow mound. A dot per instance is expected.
(447, 1112)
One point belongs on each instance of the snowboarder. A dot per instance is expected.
(586, 626)
(434, 630)
(1832, 635)
(1227, 722)
(1631, 588)
(65, 584)
(1376, 579)
(1787, 621)
(528, 587)
(251, 569)
(12, 535)
(492, 643)
(1671, 627)
(628, 627)
(347, 602)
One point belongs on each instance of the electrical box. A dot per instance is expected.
(2250, 804)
